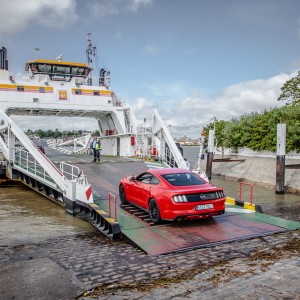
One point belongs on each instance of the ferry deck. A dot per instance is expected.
(238, 223)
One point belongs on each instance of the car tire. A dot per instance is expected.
(154, 212)
(122, 194)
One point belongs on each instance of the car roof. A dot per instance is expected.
(165, 171)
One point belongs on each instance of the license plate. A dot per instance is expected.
(204, 206)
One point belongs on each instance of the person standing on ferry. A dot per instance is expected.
(96, 146)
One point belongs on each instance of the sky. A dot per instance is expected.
(192, 60)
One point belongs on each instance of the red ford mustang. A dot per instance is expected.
(172, 194)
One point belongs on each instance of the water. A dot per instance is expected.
(26, 216)
(286, 205)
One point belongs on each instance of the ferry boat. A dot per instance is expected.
(65, 89)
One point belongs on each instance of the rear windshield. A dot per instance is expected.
(183, 179)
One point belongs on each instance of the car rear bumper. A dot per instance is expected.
(185, 211)
(199, 216)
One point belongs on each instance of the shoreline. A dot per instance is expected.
(258, 170)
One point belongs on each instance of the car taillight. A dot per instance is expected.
(180, 198)
(220, 194)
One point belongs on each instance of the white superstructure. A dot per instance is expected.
(60, 88)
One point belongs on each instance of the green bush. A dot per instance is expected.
(258, 131)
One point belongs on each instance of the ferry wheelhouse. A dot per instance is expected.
(58, 70)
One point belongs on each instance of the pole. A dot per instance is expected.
(210, 153)
(280, 158)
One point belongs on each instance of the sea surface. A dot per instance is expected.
(26, 216)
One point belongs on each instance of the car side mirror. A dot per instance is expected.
(132, 178)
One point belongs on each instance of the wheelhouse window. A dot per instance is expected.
(183, 179)
(79, 71)
(43, 68)
(78, 92)
(42, 89)
(20, 88)
(96, 93)
(60, 70)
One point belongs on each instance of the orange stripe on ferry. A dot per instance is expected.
(25, 88)
(90, 92)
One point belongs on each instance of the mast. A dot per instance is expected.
(90, 51)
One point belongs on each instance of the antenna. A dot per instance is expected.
(90, 50)
(37, 51)
(59, 57)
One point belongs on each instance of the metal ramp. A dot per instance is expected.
(68, 186)
(236, 224)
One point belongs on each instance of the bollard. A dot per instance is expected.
(280, 158)
(210, 154)
(115, 206)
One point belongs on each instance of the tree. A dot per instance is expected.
(40, 133)
(291, 91)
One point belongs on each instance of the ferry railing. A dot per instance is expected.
(160, 137)
(167, 157)
(69, 171)
(149, 152)
(80, 144)
(2, 158)
(73, 173)
(21, 154)
(26, 162)
(251, 190)
(110, 195)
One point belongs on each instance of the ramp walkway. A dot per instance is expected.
(135, 225)
(236, 224)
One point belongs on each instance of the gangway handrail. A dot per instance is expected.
(160, 128)
(22, 160)
(2, 157)
(72, 173)
(8, 152)
(79, 177)
(74, 190)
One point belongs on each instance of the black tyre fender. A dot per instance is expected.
(154, 212)
(122, 194)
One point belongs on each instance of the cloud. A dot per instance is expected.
(17, 15)
(142, 107)
(197, 108)
(177, 109)
(104, 8)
